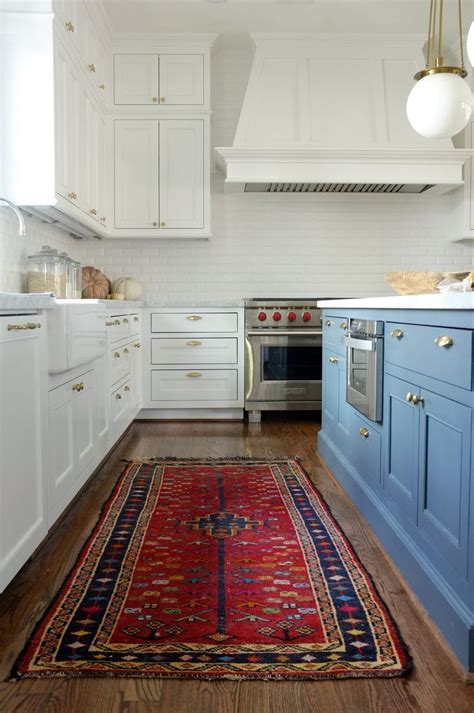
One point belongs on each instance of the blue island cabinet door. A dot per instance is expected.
(445, 446)
(336, 411)
(401, 445)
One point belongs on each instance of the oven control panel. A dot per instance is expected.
(292, 314)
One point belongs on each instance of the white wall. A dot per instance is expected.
(267, 245)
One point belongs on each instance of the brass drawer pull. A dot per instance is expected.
(117, 355)
(91, 67)
(118, 397)
(328, 323)
(194, 343)
(194, 317)
(136, 319)
(101, 86)
(364, 432)
(193, 374)
(69, 26)
(333, 360)
(162, 100)
(103, 219)
(93, 211)
(116, 322)
(109, 324)
(78, 387)
(409, 397)
(125, 351)
(125, 321)
(137, 345)
(343, 325)
(444, 341)
(417, 399)
(72, 195)
(127, 388)
(397, 334)
(154, 100)
(27, 325)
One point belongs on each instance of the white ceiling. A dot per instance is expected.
(237, 16)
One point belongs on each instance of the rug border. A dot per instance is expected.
(16, 675)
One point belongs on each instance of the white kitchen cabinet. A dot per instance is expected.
(22, 442)
(171, 79)
(136, 79)
(72, 438)
(137, 174)
(159, 174)
(181, 174)
(136, 374)
(181, 79)
(102, 407)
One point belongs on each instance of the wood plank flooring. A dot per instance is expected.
(435, 686)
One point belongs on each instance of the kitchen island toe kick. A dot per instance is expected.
(412, 474)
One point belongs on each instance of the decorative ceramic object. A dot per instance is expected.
(130, 288)
(95, 285)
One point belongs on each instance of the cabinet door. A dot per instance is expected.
(85, 425)
(102, 169)
(182, 173)
(136, 79)
(181, 79)
(445, 447)
(66, 89)
(22, 518)
(102, 408)
(135, 374)
(136, 174)
(336, 412)
(401, 445)
(90, 158)
(62, 470)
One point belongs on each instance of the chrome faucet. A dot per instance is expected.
(18, 214)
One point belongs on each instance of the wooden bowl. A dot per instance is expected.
(419, 283)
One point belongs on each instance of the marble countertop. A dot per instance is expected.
(452, 300)
(184, 304)
(10, 301)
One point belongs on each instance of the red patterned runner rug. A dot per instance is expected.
(216, 569)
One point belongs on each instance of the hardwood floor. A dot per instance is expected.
(435, 685)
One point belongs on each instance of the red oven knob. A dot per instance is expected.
(262, 316)
(291, 316)
(306, 316)
(276, 316)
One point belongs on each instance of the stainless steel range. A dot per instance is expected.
(283, 366)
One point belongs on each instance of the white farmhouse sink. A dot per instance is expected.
(76, 333)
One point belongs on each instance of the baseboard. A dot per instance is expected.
(190, 414)
(449, 613)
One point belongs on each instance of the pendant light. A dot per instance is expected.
(440, 103)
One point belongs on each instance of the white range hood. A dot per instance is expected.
(326, 114)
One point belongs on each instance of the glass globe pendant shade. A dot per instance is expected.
(439, 105)
(470, 44)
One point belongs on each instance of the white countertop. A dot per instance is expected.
(10, 301)
(452, 300)
(184, 304)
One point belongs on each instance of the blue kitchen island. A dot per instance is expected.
(411, 474)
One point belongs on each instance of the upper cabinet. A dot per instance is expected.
(151, 79)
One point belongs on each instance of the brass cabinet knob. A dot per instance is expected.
(103, 219)
(125, 321)
(91, 67)
(333, 360)
(364, 432)
(444, 341)
(101, 86)
(109, 324)
(127, 388)
(409, 397)
(194, 317)
(397, 334)
(136, 319)
(137, 345)
(78, 387)
(117, 355)
(117, 322)
(118, 397)
(125, 351)
(93, 211)
(328, 323)
(21, 327)
(69, 26)
(155, 224)
(72, 195)
(343, 325)
(193, 374)
(162, 100)
(417, 399)
(154, 100)
(162, 224)
(194, 343)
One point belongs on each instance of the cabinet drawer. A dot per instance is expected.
(194, 385)
(194, 351)
(366, 449)
(420, 349)
(333, 329)
(119, 364)
(194, 322)
(135, 323)
(120, 407)
(118, 326)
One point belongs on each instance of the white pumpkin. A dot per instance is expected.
(130, 288)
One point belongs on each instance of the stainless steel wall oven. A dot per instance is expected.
(364, 343)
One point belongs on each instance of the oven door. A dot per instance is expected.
(283, 368)
(364, 375)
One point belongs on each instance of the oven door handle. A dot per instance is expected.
(285, 333)
(366, 345)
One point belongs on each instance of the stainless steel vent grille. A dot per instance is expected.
(337, 187)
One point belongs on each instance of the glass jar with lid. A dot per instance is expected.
(67, 279)
(45, 271)
(76, 279)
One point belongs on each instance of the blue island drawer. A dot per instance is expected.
(439, 352)
(366, 450)
(334, 329)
